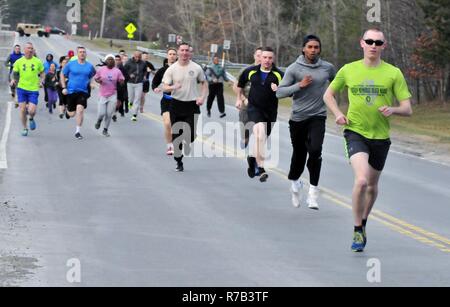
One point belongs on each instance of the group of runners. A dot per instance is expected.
(373, 86)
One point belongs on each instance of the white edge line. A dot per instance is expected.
(4, 141)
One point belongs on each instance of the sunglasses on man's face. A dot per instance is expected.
(377, 43)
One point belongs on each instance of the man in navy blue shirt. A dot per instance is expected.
(12, 58)
(262, 106)
(79, 73)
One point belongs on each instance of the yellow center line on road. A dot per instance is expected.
(395, 220)
(417, 233)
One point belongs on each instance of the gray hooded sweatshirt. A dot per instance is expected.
(307, 102)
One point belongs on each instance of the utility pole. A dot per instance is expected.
(102, 26)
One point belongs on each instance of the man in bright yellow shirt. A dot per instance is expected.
(28, 77)
(373, 86)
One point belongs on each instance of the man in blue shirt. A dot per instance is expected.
(12, 58)
(79, 73)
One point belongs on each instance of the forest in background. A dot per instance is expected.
(418, 31)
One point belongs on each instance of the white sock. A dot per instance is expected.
(169, 146)
(313, 190)
(296, 185)
(78, 129)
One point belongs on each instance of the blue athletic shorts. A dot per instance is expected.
(24, 96)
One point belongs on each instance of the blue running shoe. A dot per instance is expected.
(358, 242)
(33, 125)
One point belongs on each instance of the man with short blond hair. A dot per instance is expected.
(373, 85)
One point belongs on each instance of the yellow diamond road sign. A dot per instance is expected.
(131, 28)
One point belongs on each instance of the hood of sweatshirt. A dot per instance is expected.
(51, 58)
(302, 61)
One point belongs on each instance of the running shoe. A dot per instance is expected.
(106, 133)
(251, 167)
(61, 116)
(263, 175)
(33, 125)
(67, 115)
(78, 136)
(16, 105)
(25, 132)
(98, 124)
(134, 118)
(296, 189)
(180, 167)
(313, 196)
(358, 242)
(223, 115)
(114, 118)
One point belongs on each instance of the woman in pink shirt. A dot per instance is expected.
(108, 77)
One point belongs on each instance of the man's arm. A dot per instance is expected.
(8, 61)
(204, 94)
(157, 80)
(404, 109)
(239, 97)
(330, 101)
(15, 78)
(239, 89)
(63, 80)
(289, 85)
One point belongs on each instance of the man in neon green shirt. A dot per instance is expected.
(28, 76)
(373, 85)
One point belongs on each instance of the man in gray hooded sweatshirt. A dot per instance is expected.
(306, 81)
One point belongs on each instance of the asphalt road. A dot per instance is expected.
(117, 207)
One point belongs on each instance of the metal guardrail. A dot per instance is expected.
(202, 60)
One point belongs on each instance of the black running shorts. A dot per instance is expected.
(75, 99)
(257, 115)
(165, 106)
(377, 150)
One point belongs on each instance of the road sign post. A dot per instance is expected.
(131, 28)
(226, 48)
(226, 45)
(214, 48)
